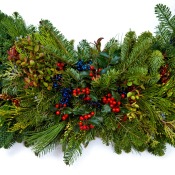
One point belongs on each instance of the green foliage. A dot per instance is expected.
(165, 17)
(53, 94)
(43, 139)
(6, 138)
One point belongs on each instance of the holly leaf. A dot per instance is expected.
(103, 71)
(114, 60)
(116, 95)
(96, 120)
(93, 96)
(84, 74)
(104, 54)
(102, 62)
(67, 110)
(80, 110)
(106, 109)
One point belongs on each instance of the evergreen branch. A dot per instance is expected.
(127, 46)
(106, 80)
(41, 140)
(74, 74)
(138, 52)
(73, 150)
(164, 15)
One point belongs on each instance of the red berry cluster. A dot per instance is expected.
(115, 105)
(6, 97)
(64, 117)
(83, 124)
(16, 102)
(164, 73)
(58, 112)
(82, 91)
(60, 65)
(94, 73)
(13, 54)
(59, 105)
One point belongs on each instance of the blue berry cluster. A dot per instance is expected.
(122, 90)
(66, 96)
(95, 104)
(81, 66)
(56, 80)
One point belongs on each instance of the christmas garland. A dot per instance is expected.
(52, 94)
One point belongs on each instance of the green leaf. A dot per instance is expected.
(106, 109)
(36, 48)
(96, 120)
(93, 96)
(67, 110)
(84, 74)
(102, 62)
(103, 71)
(116, 95)
(104, 54)
(115, 60)
(80, 110)
(129, 83)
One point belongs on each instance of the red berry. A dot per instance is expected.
(124, 118)
(86, 117)
(78, 89)
(89, 115)
(64, 105)
(57, 112)
(122, 95)
(63, 117)
(119, 103)
(91, 74)
(93, 78)
(91, 126)
(87, 89)
(87, 92)
(88, 98)
(117, 109)
(100, 69)
(114, 102)
(62, 64)
(92, 113)
(109, 95)
(57, 105)
(80, 123)
(111, 101)
(74, 91)
(92, 67)
(81, 118)
(113, 110)
(112, 98)
(66, 115)
(104, 99)
(82, 128)
(87, 127)
(74, 94)
(58, 64)
(83, 90)
(111, 105)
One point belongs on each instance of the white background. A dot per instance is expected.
(88, 19)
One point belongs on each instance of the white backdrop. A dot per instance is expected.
(88, 19)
